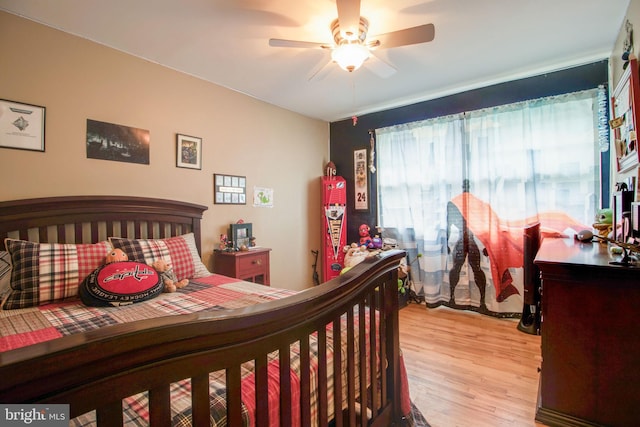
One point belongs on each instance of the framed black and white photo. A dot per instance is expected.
(21, 125)
(240, 235)
(361, 181)
(189, 152)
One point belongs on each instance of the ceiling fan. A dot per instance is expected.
(351, 47)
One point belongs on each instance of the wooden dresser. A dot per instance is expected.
(251, 265)
(590, 373)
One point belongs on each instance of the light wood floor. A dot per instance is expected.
(467, 369)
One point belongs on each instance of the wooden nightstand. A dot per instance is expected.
(251, 265)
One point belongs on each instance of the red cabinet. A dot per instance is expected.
(251, 265)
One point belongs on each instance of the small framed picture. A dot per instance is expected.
(21, 126)
(240, 235)
(229, 189)
(189, 152)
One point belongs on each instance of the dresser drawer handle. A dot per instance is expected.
(257, 261)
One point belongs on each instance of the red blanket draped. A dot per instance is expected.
(503, 240)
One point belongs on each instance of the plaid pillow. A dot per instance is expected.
(179, 252)
(5, 272)
(48, 272)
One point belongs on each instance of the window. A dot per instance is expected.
(524, 160)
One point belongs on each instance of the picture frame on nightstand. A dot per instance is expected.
(240, 235)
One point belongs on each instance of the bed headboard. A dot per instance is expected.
(89, 219)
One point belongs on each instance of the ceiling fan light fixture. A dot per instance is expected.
(350, 56)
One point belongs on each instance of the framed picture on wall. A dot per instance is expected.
(21, 126)
(188, 152)
(229, 189)
(110, 141)
(361, 180)
(624, 110)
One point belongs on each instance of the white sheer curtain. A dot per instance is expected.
(525, 160)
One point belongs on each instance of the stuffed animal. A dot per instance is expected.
(403, 272)
(604, 223)
(116, 255)
(365, 238)
(168, 277)
(354, 255)
(604, 216)
(403, 269)
(376, 243)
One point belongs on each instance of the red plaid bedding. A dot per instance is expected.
(28, 326)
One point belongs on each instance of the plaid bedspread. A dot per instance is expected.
(28, 326)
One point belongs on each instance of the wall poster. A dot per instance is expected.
(109, 141)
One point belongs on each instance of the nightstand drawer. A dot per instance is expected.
(252, 265)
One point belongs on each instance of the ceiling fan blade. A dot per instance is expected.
(379, 67)
(320, 71)
(297, 44)
(349, 18)
(420, 34)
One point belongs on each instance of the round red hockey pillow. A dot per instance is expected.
(120, 283)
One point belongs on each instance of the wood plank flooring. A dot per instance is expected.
(467, 369)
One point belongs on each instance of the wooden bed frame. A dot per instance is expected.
(96, 370)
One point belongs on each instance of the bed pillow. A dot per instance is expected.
(120, 283)
(5, 273)
(179, 252)
(43, 273)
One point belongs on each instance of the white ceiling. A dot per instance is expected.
(477, 43)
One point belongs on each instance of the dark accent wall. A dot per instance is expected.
(345, 137)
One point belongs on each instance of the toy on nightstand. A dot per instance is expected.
(226, 245)
(223, 242)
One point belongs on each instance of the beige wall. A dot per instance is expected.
(76, 79)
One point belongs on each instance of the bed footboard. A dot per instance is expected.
(95, 371)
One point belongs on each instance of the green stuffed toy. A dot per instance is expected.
(604, 216)
(604, 222)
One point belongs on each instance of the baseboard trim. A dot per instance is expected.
(554, 418)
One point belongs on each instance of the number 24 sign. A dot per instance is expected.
(360, 179)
